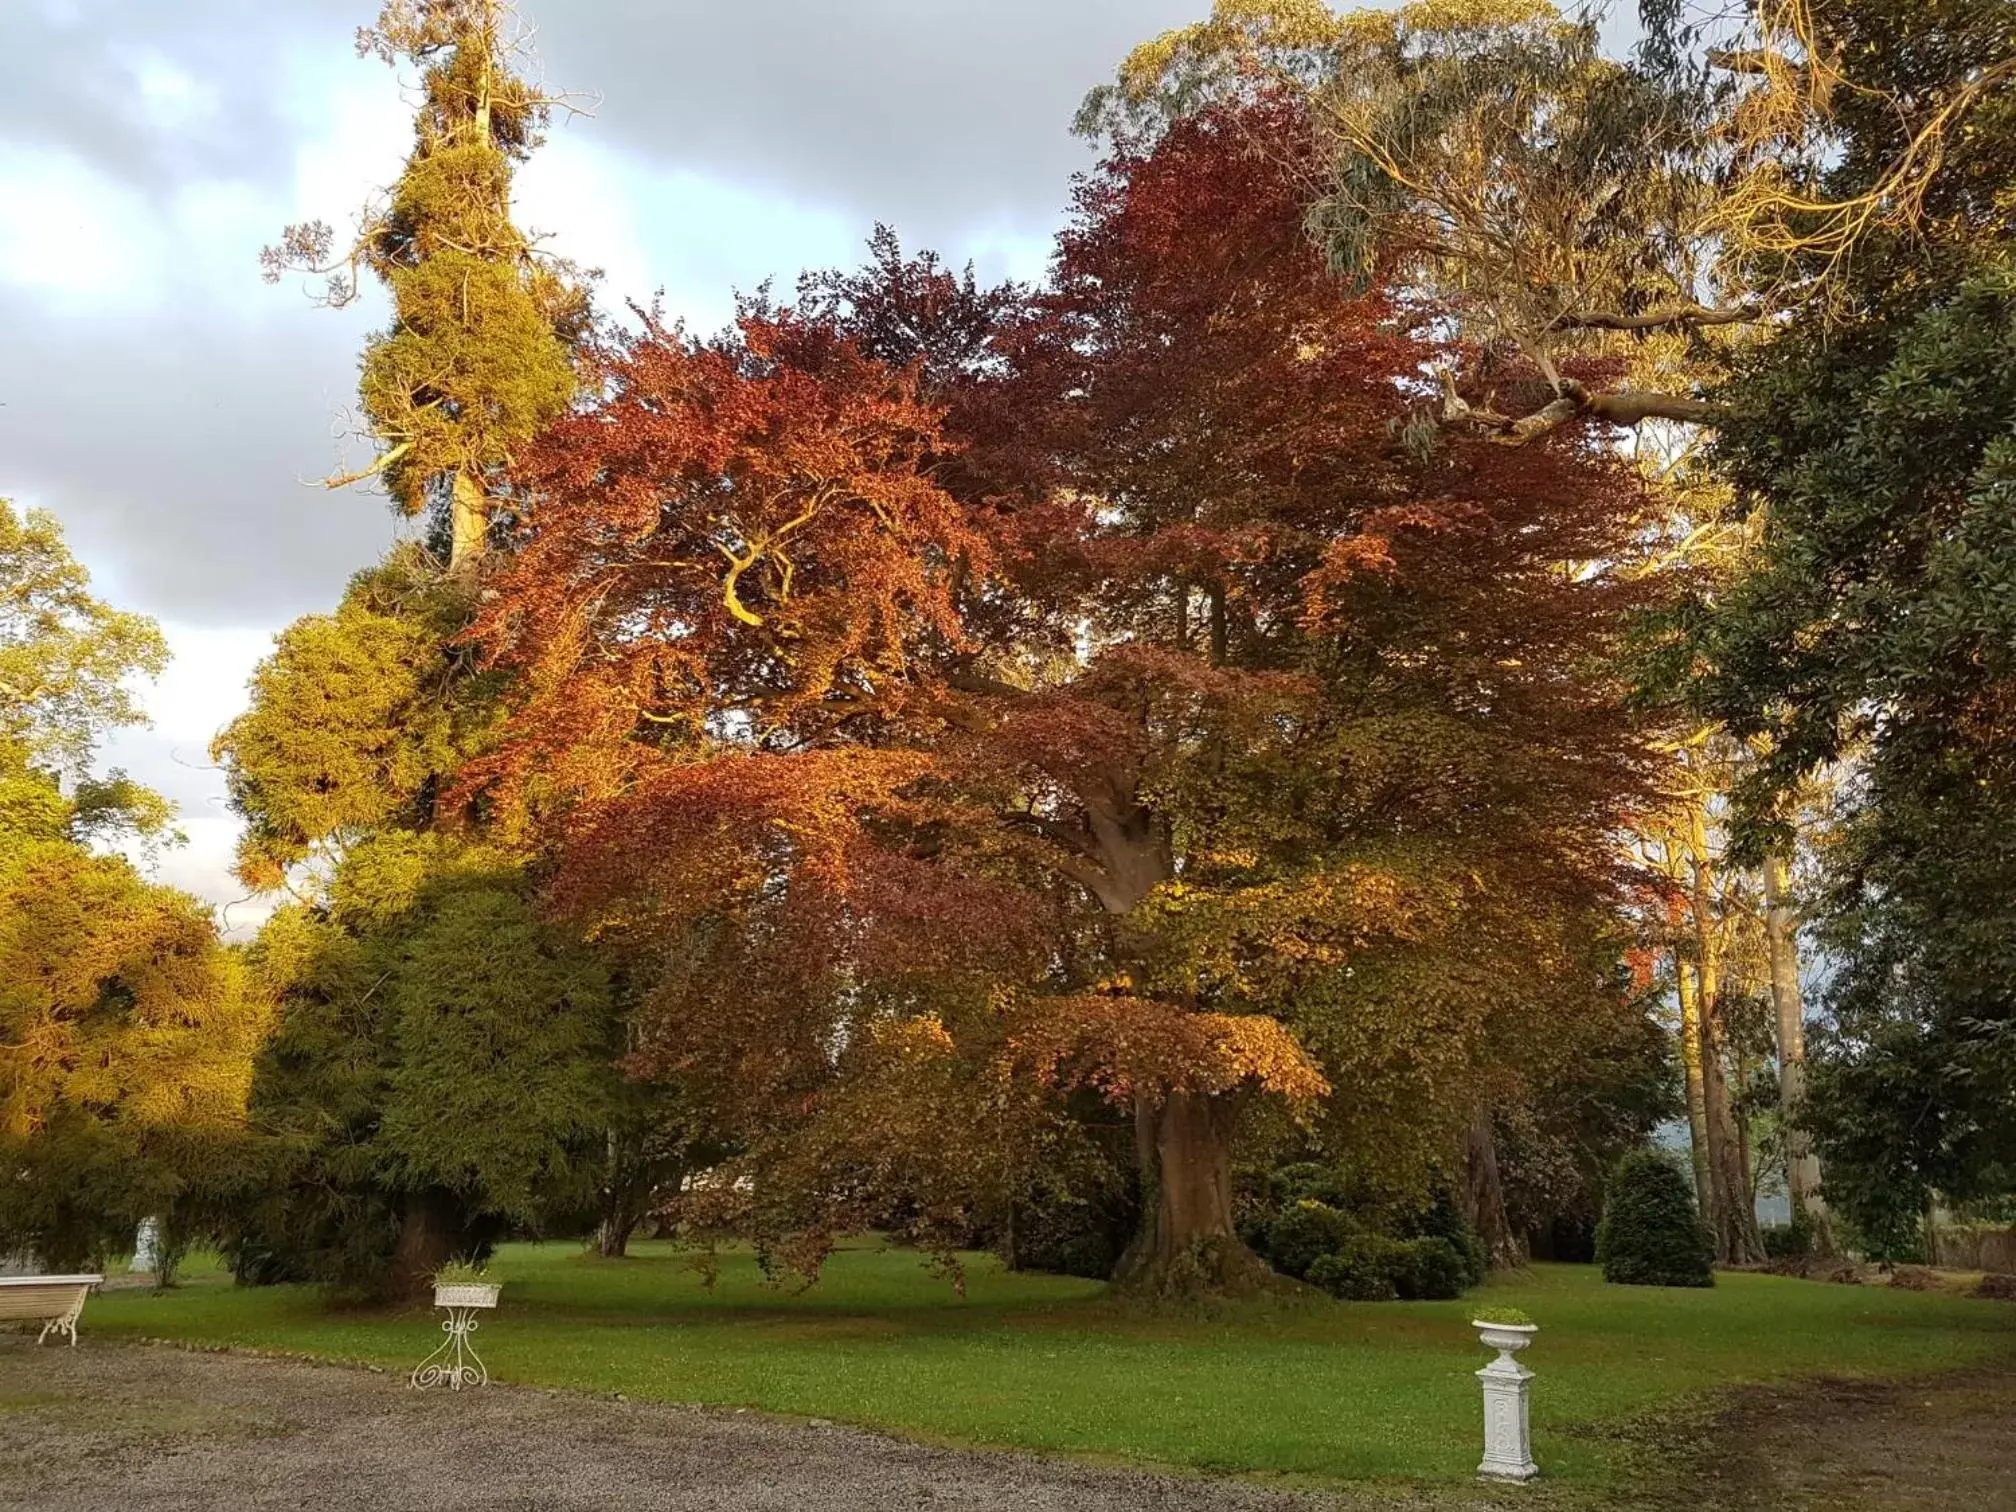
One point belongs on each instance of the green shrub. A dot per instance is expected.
(1377, 1268)
(1442, 1221)
(1071, 1234)
(1435, 1271)
(1309, 1181)
(1303, 1233)
(1514, 1316)
(1365, 1268)
(1088, 1253)
(1789, 1241)
(1650, 1234)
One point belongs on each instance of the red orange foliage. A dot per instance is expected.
(1176, 668)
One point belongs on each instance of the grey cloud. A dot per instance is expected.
(170, 438)
(67, 81)
(172, 447)
(940, 116)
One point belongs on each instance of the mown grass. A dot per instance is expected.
(1326, 1392)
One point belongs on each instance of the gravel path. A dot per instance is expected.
(115, 1428)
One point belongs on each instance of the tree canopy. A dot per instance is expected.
(1142, 752)
(1870, 635)
(126, 1029)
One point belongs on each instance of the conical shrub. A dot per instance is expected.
(1650, 1234)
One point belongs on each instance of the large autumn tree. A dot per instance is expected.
(1187, 725)
(1610, 234)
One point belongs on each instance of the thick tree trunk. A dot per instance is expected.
(430, 1232)
(1737, 1240)
(469, 524)
(1484, 1195)
(1697, 1101)
(1186, 1246)
(1802, 1166)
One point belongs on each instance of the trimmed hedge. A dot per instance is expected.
(1650, 1234)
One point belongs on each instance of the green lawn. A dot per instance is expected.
(1328, 1392)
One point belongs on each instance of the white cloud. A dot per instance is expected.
(650, 229)
(204, 686)
(172, 99)
(202, 690)
(354, 129)
(701, 239)
(70, 233)
(203, 867)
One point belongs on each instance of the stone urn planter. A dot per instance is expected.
(1506, 1338)
(1508, 1433)
(454, 1362)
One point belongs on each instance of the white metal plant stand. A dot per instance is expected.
(455, 1363)
(1508, 1431)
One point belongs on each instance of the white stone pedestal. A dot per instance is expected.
(1508, 1432)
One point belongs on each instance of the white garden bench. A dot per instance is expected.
(53, 1300)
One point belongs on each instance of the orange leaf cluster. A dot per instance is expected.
(1127, 1045)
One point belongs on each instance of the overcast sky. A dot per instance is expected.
(171, 409)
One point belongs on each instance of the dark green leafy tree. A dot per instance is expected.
(1874, 634)
(443, 1066)
(446, 1065)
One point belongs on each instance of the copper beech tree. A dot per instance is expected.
(1157, 714)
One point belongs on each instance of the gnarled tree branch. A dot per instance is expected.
(1626, 408)
(1653, 320)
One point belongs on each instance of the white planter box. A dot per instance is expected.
(467, 1294)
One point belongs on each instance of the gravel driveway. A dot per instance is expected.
(116, 1428)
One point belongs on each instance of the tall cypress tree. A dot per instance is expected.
(443, 1063)
(479, 352)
